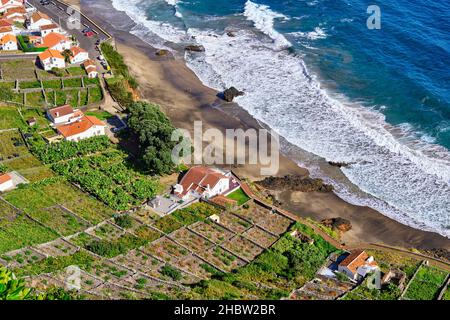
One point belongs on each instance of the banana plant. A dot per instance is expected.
(12, 288)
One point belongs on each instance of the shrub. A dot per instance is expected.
(124, 221)
(171, 272)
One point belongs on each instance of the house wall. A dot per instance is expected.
(62, 46)
(93, 74)
(9, 46)
(46, 32)
(79, 58)
(6, 185)
(38, 24)
(11, 4)
(60, 120)
(50, 63)
(346, 271)
(91, 132)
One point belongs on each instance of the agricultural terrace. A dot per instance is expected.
(28, 86)
(426, 284)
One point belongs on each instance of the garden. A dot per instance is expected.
(426, 284)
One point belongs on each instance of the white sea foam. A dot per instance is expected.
(317, 33)
(409, 179)
(136, 12)
(264, 19)
(413, 186)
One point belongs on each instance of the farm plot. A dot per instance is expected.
(167, 224)
(145, 216)
(11, 145)
(35, 174)
(60, 220)
(195, 266)
(243, 247)
(10, 118)
(144, 232)
(166, 249)
(234, 223)
(150, 286)
(109, 271)
(82, 239)
(111, 291)
(266, 219)
(52, 84)
(37, 196)
(7, 211)
(109, 178)
(139, 261)
(57, 248)
(222, 259)
(191, 240)
(38, 114)
(107, 231)
(212, 231)
(22, 231)
(42, 283)
(35, 99)
(21, 257)
(261, 237)
(87, 280)
(25, 71)
(24, 162)
(426, 284)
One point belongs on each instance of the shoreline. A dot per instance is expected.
(170, 83)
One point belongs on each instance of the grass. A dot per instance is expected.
(52, 84)
(100, 114)
(12, 144)
(72, 83)
(60, 98)
(9, 118)
(35, 99)
(76, 71)
(239, 195)
(95, 94)
(426, 284)
(91, 81)
(38, 114)
(72, 97)
(29, 84)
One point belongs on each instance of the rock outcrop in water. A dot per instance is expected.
(338, 223)
(295, 183)
(339, 164)
(231, 93)
(195, 48)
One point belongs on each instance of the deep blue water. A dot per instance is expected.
(314, 72)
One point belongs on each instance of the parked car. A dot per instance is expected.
(45, 2)
(86, 30)
(89, 34)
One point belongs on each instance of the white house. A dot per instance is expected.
(202, 182)
(63, 114)
(357, 265)
(83, 128)
(90, 68)
(78, 55)
(17, 14)
(5, 30)
(9, 4)
(38, 19)
(6, 182)
(8, 43)
(56, 41)
(50, 59)
(49, 28)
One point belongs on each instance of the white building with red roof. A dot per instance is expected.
(49, 28)
(357, 265)
(50, 59)
(38, 19)
(83, 128)
(8, 42)
(90, 68)
(9, 4)
(78, 55)
(16, 14)
(56, 41)
(203, 182)
(6, 182)
(63, 114)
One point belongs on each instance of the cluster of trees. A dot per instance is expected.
(51, 153)
(154, 131)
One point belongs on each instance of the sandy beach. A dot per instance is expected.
(170, 83)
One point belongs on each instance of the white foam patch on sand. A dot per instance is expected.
(410, 177)
(264, 20)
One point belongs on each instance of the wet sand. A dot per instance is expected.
(171, 84)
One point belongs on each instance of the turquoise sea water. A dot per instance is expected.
(314, 72)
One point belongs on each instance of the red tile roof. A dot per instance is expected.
(5, 178)
(49, 26)
(199, 178)
(80, 126)
(355, 260)
(61, 111)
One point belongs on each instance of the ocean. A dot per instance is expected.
(378, 99)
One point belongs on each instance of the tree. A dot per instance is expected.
(67, 54)
(12, 288)
(154, 131)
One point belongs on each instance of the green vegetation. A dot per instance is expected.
(362, 292)
(72, 83)
(154, 130)
(12, 288)
(52, 84)
(426, 284)
(171, 272)
(6, 93)
(115, 247)
(10, 118)
(287, 265)
(124, 221)
(100, 114)
(95, 94)
(27, 46)
(29, 84)
(240, 196)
